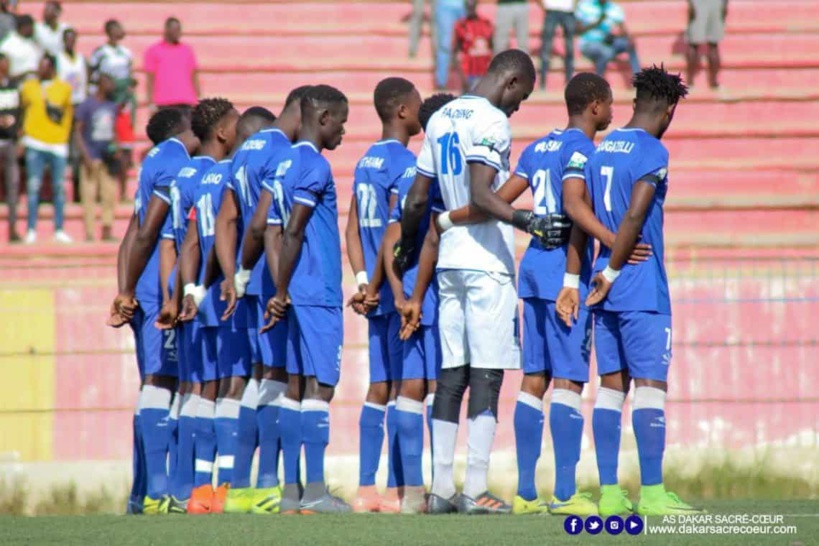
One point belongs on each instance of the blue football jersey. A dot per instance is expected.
(546, 163)
(304, 177)
(624, 158)
(255, 161)
(429, 307)
(207, 200)
(375, 180)
(183, 191)
(156, 174)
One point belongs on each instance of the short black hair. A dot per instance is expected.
(656, 88)
(431, 105)
(513, 60)
(322, 94)
(25, 20)
(252, 120)
(206, 114)
(296, 95)
(50, 58)
(258, 112)
(109, 25)
(388, 95)
(171, 20)
(583, 89)
(56, 4)
(165, 124)
(69, 30)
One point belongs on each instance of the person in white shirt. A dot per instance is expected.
(49, 33)
(558, 13)
(71, 67)
(22, 50)
(466, 148)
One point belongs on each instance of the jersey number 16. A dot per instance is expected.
(451, 161)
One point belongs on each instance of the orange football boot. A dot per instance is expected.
(367, 500)
(217, 505)
(201, 500)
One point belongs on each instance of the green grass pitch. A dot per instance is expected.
(381, 530)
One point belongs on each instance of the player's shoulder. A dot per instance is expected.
(650, 144)
(576, 141)
(310, 158)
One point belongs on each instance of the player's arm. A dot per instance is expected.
(253, 243)
(167, 261)
(411, 313)
(212, 269)
(355, 252)
(392, 235)
(292, 242)
(227, 231)
(414, 208)
(642, 195)
(568, 300)
(190, 259)
(509, 192)
(115, 319)
(272, 250)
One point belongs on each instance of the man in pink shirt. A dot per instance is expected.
(172, 78)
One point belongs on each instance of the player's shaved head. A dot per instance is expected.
(431, 105)
(253, 120)
(167, 123)
(513, 61)
(206, 116)
(324, 111)
(509, 80)
(319, 97)
(657, 89)
(295, 96)
(388, 96)
(583, 89)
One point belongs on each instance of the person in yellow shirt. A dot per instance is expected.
(47, 113)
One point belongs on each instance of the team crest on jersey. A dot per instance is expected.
(577, 161)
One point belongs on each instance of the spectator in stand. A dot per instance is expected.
(71, 68)
(706, 25)
(9, 125)
(114, 59)
(447, 13)
(512, 14)
(94, 130)
(416, 22)
(473, 41)
(47, 116)
(49, 33)
(170, 67)
(22, 51)
(559, 13)
(8, 20)
(601, 25)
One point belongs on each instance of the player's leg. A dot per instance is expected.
(452, 383)
(205, 439)
(139, 483)
(272, 345)
(598, 53)
(373, 414)
(181, 446)
(713, 65)
(607, 415)
(528, 418)
(714, 34)
(568, 352)
(159, 348)
(569, 25)
(290, 419)
(646, 340)
(321, 338)
(391, 502)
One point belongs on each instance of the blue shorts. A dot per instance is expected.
(273, 343)
(314, 339)
(386, 352)
(197, 354)
(226, 352)
(422, 354)
(637, 341)
(550, 346)
(156, 349)
(252, 303)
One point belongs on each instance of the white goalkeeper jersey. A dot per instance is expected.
(469, 130)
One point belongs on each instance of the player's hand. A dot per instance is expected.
(190, 308)
(168, 315)
(400, 302)
(402, 252)
(228, 295)
(552, 230)
(240, 281)
(640, 254)
(125, 305)
(600, 289)
(568, 305)
(410, 319)
(357, 303)
(115, 320)
(275, 311)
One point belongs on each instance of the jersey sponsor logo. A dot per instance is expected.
(409, 173)
(368, 162)
(186, 172)
(458, 113)
(577, 161)
(212, 178)
(616, 146)
(549, 146)
(254, 144)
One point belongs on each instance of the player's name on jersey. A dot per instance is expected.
(616, 146)
(212, 178)
(369, 162)
(253, 144)
(549, 146)
(457, 113)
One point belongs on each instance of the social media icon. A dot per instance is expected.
(634, 525)
(614, 525)
(594, 525)
(573, 525)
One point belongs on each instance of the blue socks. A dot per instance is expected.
(371, 429)
(267, 418)
(606, 428)
(395, 468)
(154, 406)
(290, 430)
(315, 430)
(648, 419)
(246, 441)
(173, 417)
(227, 435)
(186, 430)
(528, 439)
(205, 442)
(410, 424)
(566, 424)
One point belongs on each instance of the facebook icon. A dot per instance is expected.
(573, 525)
